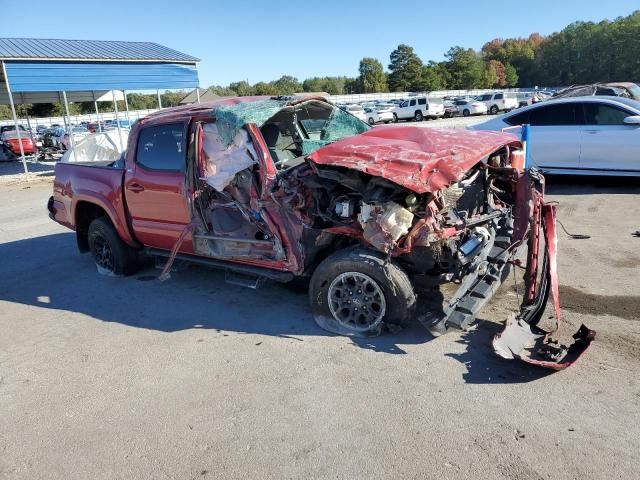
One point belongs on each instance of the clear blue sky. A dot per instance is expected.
(263, 40)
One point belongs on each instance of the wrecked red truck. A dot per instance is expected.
(291, 188)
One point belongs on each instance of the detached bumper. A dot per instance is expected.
(521, 338)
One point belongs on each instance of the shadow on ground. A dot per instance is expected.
(15, 167)
(48, 272)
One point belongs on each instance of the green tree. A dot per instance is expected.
(510, 75)
(405, 70)
(286, 85)
(494, 74)
(372, 78)
(262, 88)
(222, 91)
(465, 67)
(330, 85)
(241, 88)
(434, 77)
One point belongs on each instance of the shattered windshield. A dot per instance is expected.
(289, 131)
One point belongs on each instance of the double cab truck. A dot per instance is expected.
(290, 188)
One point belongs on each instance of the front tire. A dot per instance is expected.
(466, 113)
(111, 255)
(418, 117)
(493, 110)
(371, 121)
(395, 118)
(356, 291)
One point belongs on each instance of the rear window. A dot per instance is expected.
(161, 147)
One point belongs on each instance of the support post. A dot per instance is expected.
(198, 94)
(126, 106)
(15, 117)
(66, 108)
(159, 100)
(95, 103)
(115, 104)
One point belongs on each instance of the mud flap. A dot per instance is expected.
(522, 338)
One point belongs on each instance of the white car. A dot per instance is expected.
(355, 110)
(419, 108)
(467, 107)
(382, 113)
(579, 135)
(499, 101)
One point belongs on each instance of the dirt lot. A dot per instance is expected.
(193, 378)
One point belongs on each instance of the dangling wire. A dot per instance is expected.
(575, 236)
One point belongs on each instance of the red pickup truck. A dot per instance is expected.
(291, 188)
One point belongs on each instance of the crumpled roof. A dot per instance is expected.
(420, 159)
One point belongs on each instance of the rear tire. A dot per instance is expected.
(395, 118)
(466, 113)
(356, 291)
(111, 255)
(371, 121)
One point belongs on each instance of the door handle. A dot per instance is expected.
(135, 187)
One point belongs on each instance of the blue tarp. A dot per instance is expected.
(82, 77)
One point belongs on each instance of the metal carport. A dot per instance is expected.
(41, 69)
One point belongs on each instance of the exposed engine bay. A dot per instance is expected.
(468, 232)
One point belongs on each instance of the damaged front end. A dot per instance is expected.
(523, 338)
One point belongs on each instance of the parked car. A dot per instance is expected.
(355, 110)
(450, 109)
(470, 107)
(580, 135)
(360, 212)
(616, 89)
(419, 108)
(379, 114)
(499, 101)
(10, 144)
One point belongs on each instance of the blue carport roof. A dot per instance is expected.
(42, 65)
(89, 50)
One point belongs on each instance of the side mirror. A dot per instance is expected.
(632, 120)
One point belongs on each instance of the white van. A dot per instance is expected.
(419, 108)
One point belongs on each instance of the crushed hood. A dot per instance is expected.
(420, 159)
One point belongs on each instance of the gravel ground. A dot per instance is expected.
(193, 378)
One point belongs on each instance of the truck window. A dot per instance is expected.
(412, 103)
(422, 101)
(498, 96)
(161, 147)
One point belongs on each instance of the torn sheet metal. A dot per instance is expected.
(222, 162)
(420, 159)
(522, 338)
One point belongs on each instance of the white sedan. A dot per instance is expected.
(382, 113)
(579, 135)
(355, 110)
(467, 107)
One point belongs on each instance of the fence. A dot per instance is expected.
(76, 119)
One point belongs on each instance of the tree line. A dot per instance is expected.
(583, 52)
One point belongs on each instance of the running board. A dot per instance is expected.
(237, 269)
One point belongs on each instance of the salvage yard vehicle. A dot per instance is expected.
(612, 89)
(419, 108)
(10, 143)
(595, 135)
(382, 113)
(289, 188)
(499, 102)
(468, 107)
